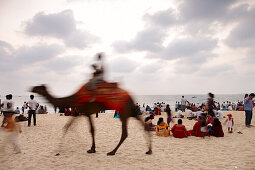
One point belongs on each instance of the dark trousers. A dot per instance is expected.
(248, 117)
(211, 112)
(183, 107)
(30, 113)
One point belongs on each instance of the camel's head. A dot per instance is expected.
(39, 89)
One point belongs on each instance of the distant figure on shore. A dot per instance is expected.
(183, 104)
(32, 104)
(24, 107)
(17, 111)
(230, 123)
(179, 114)
(169, 115)
(189, 113)
(210, 104)
(248, 107)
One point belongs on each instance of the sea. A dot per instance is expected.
(144, 99)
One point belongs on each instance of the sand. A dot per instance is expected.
(39, 145)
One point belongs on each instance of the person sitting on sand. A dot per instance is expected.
(196, 131)
(217, 128)
(178, 114)
(230, 123)
(189, 113)
(148, 123)
(219, 114)
(209, 122)
(204, 129)
(162, 128)
(179, 130)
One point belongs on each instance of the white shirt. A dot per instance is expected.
(230, 108)
(11, 109)
(5, 105)
(219, 114)
(199, 113)
(32, 104)
(183, 101)
(188, 113)
(178, 114)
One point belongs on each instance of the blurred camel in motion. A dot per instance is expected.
(108, 97)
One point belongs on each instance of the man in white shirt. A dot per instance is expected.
(183, 104)
(32, 104)
(7, 108)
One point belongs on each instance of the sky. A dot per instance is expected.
(151, 47)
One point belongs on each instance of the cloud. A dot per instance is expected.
(208, 11)
(147, 40)
(25, 56)
(122, 65)
(243, 35)
(189, 47)
(163, 18)
(63, 64)
(215, 70)
(60, 25)
(37, 53)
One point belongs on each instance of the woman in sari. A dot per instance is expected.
(162, 128)
(179, 130)
(196, 131)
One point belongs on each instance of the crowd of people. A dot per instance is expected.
(206, 115)
(207, 118)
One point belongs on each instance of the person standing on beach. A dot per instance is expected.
(183, 104)
(32, 104)
(248, 107)
(210, 104)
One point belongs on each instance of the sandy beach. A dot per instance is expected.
(39, 145)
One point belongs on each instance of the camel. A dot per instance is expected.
(89, 108)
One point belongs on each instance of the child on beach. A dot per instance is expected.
(12, 129)
(230, 123)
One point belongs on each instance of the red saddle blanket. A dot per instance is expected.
(109, 94)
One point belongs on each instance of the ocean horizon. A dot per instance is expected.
(142, 99)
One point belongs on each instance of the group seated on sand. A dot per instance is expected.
(204, 126)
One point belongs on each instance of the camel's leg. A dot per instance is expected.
(123, 136)
(67, 125)
(92, 131)
(147, 133)
(65, 129)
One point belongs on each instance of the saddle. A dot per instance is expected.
(109, 94)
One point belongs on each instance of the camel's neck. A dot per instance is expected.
(64, 102)
(50, 98)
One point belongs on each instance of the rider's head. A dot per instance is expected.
(99, 56)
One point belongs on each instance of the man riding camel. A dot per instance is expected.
(98, 75)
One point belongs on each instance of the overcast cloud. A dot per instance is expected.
(60, 25)
(161, 48)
